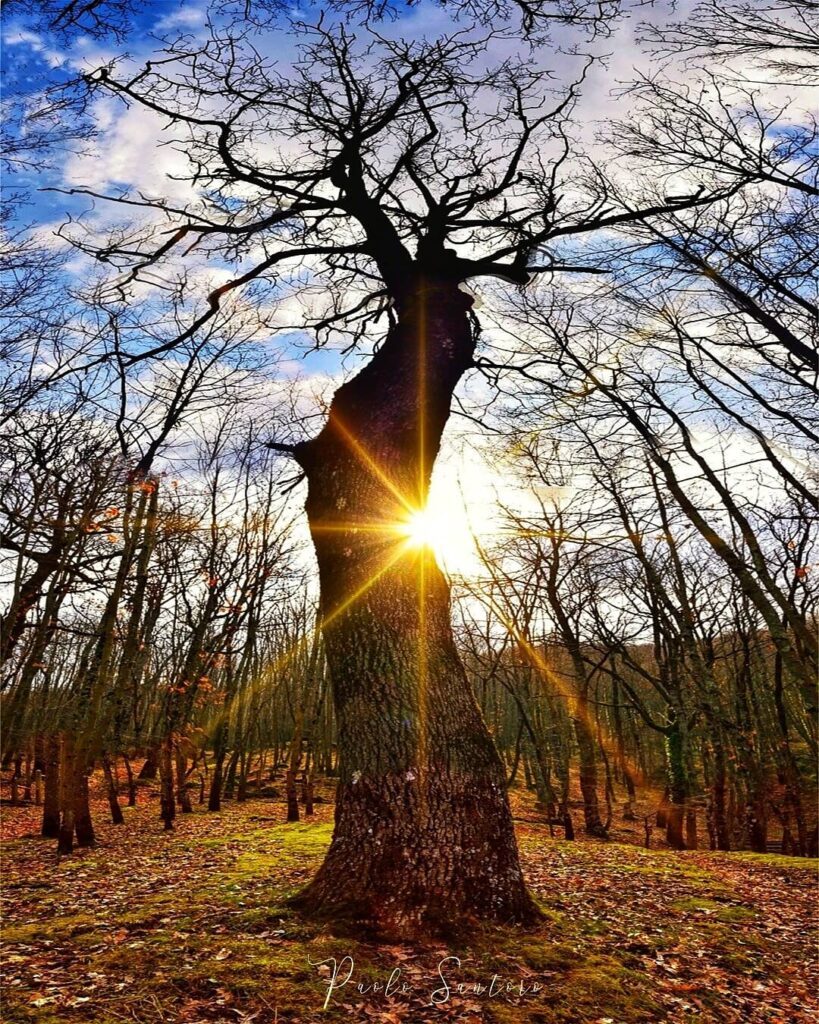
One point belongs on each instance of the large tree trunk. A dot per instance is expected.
(423, 833)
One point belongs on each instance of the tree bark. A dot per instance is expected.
(83, 824)
(112, 789)
(678, 785)
(183, 798)
(230, 777)
(588, 773)
(51, 800)
(131, 781)
(167, 800)
(423, 833)
(151, 765)
(292, 769)
(68, 771)
(215, 795)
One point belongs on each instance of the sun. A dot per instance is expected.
(422, 529)
(442, 528)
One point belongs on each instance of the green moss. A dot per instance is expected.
(602, 985)
(66, 927)
(305, 838)
(254, 864)
(728, 913)
(546, 956)
(777, 860)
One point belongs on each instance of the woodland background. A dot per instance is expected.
(625, 506)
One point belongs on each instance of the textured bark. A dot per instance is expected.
(167, 800)
(112, 789)
(151, 766)
(51, 799)
(423, 833)
(587, 755)
(83, 824)
(68, 772)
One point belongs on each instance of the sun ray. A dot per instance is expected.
(418, 534)
(323, 621)
(370, 462)
(538, 661)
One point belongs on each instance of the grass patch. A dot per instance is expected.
(727, 913)
(776, 860)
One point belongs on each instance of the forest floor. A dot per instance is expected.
(190, 927)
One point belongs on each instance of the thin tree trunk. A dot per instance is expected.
(29, 775)
(112, 790)
(131, 781)
(621, 760)
(722, 832)
(230, 778)
(308, 791)
(51, 799)
(182, 795)
(83, 824)
(215, 795)
(513, 771)
(167, 802)
(292, 769)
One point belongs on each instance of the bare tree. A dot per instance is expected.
(782, 36)
(400, 171)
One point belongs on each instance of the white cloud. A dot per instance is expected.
(23, 37)
(186, 17)
(135, 149)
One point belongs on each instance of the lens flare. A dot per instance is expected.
(422, 529)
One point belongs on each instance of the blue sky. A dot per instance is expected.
(36, 60)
